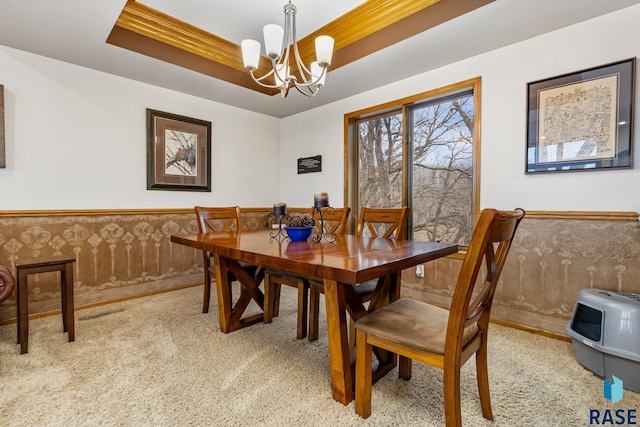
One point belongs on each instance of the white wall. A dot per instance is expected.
(76, 139)
(505, 73)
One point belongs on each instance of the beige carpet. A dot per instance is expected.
(158, 361)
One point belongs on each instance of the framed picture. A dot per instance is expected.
(3, 162)
(178, 152)
(582, 120)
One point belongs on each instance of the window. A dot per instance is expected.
(422, 152)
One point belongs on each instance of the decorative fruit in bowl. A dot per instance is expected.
(299, 227)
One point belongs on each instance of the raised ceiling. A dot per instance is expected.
(365, 29)
(77, 31)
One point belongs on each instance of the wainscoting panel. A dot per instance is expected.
(119, 254)
(553, 257)
(122, 254)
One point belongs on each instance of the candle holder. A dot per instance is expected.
(280, 214)
(318, 209)
(320, 200)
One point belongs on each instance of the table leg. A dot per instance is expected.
(231, 316)
(223, 287)
(341, 374)
(339, 299)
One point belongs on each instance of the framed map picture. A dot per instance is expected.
(582, 120)
(178, 152)
(3, 161)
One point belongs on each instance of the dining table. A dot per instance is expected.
(339, 264)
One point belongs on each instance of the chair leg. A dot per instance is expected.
(404, 367)
(452, 411)
(275, 297)
(352, 340)
(303, 297)
(363, 375)
(483, 381)
(271, 298)
(314, 312)
(207, 290)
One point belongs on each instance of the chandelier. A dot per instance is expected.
(280, 77)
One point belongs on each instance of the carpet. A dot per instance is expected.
(158, 361)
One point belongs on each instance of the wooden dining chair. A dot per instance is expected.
(437, 336)
(7, 283)
(220, 220)
(335, 223)
(386, 223)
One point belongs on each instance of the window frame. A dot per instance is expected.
(403, 105)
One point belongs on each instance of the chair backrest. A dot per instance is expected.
(7, 283)
(335, 220)
(218, 219)
(490, 244)
(383, 222)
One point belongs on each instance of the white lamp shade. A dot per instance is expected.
(273, 35)
(250, 54)
(283, 72)
(324, 49)
(316, 71)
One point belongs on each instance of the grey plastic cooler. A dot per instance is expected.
(605, 331)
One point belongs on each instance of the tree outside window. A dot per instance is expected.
(432, 167)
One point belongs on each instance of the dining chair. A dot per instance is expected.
(335, 223)
(7, 283)
(386, 223)
(415, 330)
(221, 220)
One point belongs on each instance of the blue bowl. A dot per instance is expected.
(299, 234)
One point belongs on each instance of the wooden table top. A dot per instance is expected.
(350, 259)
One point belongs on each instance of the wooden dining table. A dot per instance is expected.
(339, 264)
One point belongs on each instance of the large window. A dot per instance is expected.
(421, 152)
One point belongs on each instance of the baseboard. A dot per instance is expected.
(531, 329)
(101, 303)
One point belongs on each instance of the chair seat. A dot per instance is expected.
(412, 323)
(249, 268)
(366, 288)
(284, 274)
(361, 289)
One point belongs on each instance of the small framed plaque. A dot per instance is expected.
(310, 164)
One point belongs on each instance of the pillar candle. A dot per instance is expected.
(321, 199)
(280, 208)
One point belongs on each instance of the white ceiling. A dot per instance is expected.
(75, 31)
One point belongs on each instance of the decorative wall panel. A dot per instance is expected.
(126, 253)
(550, 261)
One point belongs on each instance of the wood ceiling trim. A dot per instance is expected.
(372, 26)
(416, 23)
(150, 32)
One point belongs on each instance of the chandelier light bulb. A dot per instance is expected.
(318, 73)
(273, 35)
(324, 49)
(250, 53)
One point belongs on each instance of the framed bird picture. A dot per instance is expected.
(178, 152)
